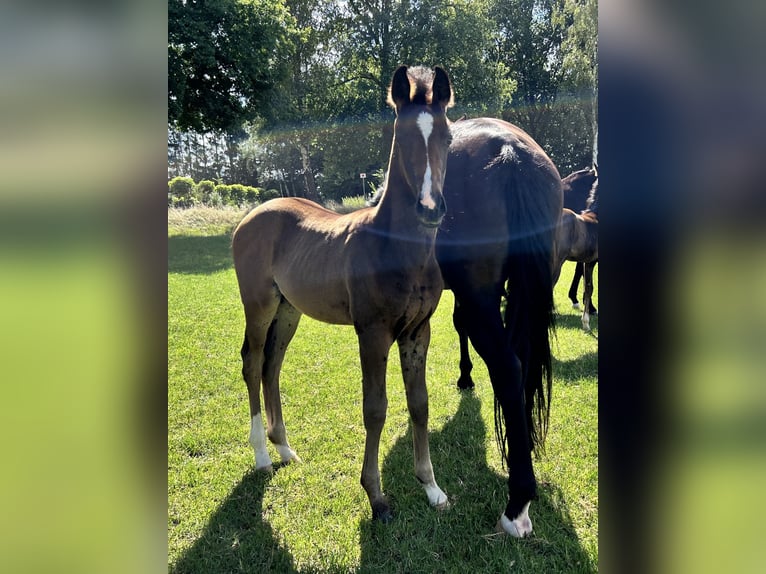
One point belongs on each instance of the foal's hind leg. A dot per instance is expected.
(587, 295)
(413, 349)
(258, 318)
(575, 285)
(280, 334)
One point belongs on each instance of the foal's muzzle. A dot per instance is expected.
(431, 217)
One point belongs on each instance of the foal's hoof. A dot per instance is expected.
(381, 512)
(287, 454)
(465, 383)
(263, 462)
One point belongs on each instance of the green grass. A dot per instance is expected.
(314, 516)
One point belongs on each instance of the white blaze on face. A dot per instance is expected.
(426, 125)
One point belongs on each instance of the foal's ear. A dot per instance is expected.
(399, 93)
(442, 91)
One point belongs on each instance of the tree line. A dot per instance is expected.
(290, 95)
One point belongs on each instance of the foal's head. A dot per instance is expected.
(581, 181)
(421, 97)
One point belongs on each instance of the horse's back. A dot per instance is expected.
(490, 158)
(295, 248)
(494, 169)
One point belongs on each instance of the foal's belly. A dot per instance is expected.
(320, 300)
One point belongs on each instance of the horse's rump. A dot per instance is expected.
(503, 204)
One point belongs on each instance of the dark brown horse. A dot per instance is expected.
(374, 269)
(577, 187)
(504, 202)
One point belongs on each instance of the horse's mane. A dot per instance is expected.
(591, 204)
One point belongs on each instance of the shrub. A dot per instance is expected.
(348, 204)
(181, 187)
(182, 201)
(237, 194)
(270, 194)
(252, 195)
(204, 189)
(354, 203)
(183, 192)
(224, 192)
(214, 199)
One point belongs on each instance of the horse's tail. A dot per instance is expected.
(534, 208)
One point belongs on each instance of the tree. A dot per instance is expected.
(548, 50)
(580, 58)
(226, 59)
(308, 80)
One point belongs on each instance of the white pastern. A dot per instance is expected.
(518, 527)
(436, 496)
(258, 442)
(286, 453)
(586, 321)
(426, 125)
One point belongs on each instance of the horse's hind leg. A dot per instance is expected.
(490, 339)
(258, 318)
(280, 334)
(413, 350)
(458, 320)
(575, 285)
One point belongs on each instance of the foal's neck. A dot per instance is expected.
(395, 212)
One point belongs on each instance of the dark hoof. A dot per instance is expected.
(594, 312)
(381, 512)
(465, 383)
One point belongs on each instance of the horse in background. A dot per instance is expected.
(577, 240)
(374, 269)
(496, 241)
(577, 187)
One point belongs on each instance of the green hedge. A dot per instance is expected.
(183, 192)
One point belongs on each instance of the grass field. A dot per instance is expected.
(314, 516)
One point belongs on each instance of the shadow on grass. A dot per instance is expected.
(199, 254)
(573, 320)
(461, 538)
(419, 539)
(576, 369)
(236, 538)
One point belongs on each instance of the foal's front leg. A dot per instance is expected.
(374, 346)
(413, 350)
